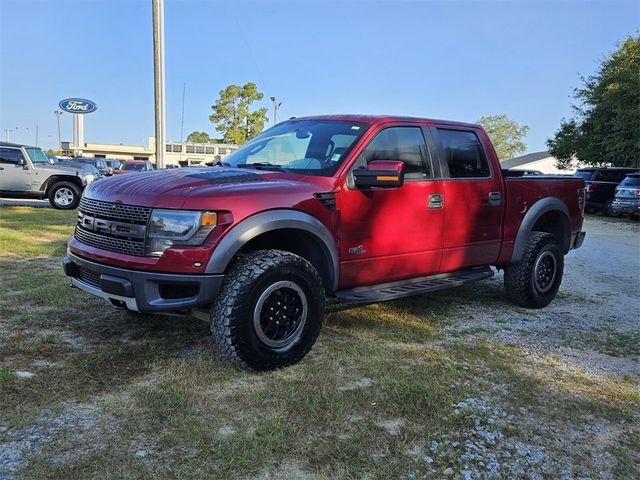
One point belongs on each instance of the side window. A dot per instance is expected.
(610, 176)
(10, 155)
(463, 154)
(404, 144)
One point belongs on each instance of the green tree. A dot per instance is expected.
(505, 134)
(233, 116)
(199, 137)
(606, 130)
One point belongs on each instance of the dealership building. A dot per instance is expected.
(176, 153)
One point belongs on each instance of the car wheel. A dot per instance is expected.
(534, 281)
(64, 195)
(608, 210)
(269, 312)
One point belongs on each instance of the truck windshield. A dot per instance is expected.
(37, 156)
(310, 147)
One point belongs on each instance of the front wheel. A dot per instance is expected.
(269, 312)
(608, 210)
(534, 281)
(64, 195)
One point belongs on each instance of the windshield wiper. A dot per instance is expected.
(259, 165)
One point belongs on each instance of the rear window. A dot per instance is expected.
(610, 176)
(631, 181)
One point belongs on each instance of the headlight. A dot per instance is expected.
(87, 178)
(177, 227)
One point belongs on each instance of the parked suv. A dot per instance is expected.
(25, 172)
(601, 186)
(359, 208)
(627, 199)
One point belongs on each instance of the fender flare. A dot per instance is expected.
(264, 222)
(60, 178)
(536, 211)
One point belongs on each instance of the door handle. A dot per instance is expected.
(1, 168)
(436, 200)
(495, 199)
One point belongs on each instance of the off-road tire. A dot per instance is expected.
(61, 186)
(232, 314)
(520, 278)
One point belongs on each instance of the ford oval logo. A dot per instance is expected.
(78, 105)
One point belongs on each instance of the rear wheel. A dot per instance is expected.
(64, 195)
(269, 312)
(534, 281)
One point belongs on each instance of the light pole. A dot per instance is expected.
(158, 78)
(57, 114)
(276, 107)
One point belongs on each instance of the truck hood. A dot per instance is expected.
(196, 188)
(59, 169)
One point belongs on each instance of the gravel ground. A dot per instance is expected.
(600, 296)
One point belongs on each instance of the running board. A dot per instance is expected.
(414, 286)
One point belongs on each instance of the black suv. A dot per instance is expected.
(600, 184)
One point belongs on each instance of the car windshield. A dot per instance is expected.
(37, 156)
(631, 181)
(310, 147)
(132, 166)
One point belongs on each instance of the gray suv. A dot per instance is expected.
(26, 172)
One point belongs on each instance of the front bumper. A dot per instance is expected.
(142, 291)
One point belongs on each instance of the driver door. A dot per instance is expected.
(15, 176)
(390, 234)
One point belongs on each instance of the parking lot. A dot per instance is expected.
(458, 384)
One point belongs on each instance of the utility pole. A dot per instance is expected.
(57, 114)
(158, 78)
(37, 136)
(276, 107)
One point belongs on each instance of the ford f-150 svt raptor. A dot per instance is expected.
(359, 208)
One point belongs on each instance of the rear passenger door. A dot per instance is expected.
(473, 200)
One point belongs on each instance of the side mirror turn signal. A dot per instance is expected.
(380, 174)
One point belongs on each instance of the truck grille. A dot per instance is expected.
(115, 211)
(112, 226)
(128, 247)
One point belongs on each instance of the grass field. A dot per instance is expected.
(424, 387)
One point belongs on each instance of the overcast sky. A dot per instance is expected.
(453, 60)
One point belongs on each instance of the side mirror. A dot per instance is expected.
(380, 174)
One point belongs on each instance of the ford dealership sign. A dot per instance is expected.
(78, 105)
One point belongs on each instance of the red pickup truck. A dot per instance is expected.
(358, 208)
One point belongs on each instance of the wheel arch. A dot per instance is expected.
(549, 215)
(53, 179)
(290, 230)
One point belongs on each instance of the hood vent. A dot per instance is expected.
(328, 200)
(218, 176)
